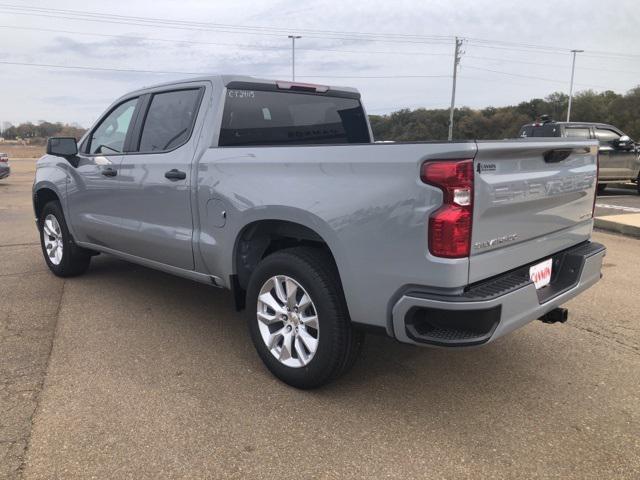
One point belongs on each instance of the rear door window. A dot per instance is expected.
(169, 120)
(253, 117)
(577, 132)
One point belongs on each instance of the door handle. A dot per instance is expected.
(175, 174)
(109, 172)
(559, 154)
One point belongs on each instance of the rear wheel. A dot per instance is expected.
(63, 257)
(298, 319)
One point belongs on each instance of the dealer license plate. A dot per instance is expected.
(540, 274)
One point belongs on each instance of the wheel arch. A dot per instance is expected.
(42, 195)
(260, 238)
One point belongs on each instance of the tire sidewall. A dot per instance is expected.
(53, 208)
(328, 316)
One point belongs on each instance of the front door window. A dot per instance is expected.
(109, 136)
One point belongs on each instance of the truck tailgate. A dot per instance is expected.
(532, 198)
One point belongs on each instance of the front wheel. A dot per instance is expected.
(601, 188)
(298, 319)
(63, 257)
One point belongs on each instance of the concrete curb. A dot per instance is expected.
(604, 223)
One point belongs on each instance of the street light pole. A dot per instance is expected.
(293, 56)
(573, 69)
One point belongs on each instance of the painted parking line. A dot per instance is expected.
(618, 207)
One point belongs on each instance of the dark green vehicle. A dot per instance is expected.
(619, 155)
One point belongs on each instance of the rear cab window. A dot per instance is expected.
(526, 131)
(546, 130)
(266, 117)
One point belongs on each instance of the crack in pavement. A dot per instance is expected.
(6, 245)
(40, 385)
(628, 347)
(33, 272)
(26, 371)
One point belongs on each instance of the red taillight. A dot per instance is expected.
(450, 225)
(4, 159)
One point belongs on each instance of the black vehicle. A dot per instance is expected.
(619, 154)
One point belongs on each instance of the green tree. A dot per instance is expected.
(505, 122)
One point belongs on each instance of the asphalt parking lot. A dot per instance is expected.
(618, 200)
(130, 373)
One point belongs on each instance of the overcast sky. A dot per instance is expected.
(518, 73)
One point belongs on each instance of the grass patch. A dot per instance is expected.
(22, 151)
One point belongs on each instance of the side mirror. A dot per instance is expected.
(66, 147)
(624, 142)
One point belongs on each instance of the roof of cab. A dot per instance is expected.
(570, 124)
(227, 79)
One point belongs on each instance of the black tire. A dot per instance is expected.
(638, 184)
(601, 188)
(75, 260)
(338, 342)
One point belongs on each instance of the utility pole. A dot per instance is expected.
(293, 56)
(456, 61)
(573, 69)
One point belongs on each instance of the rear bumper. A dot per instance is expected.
(492, 308)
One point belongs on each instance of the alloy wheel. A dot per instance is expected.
(53, 242)
(288, 321)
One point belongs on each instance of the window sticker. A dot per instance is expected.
(242, 94)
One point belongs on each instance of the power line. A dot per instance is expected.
(279, 31)
(232, 30)
(100, 69)
(527, 46)
(529, 77)
(314, 49)
(166, 72)
(608, 55)
(554, 65)
(374, 76)
(371, 77)
(176, 41)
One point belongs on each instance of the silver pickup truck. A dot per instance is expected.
(619, 156)
(276, 191)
